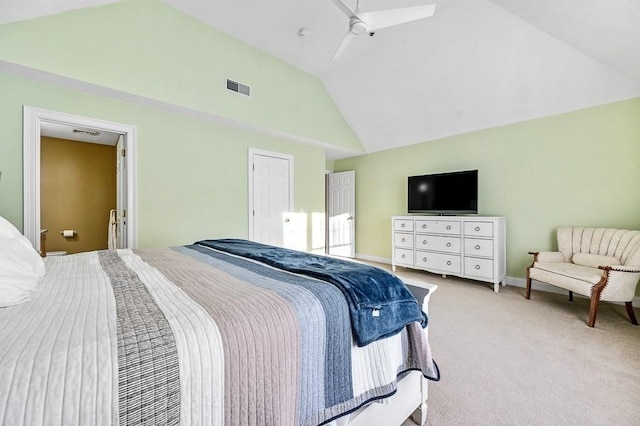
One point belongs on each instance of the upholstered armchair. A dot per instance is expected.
(602, 264)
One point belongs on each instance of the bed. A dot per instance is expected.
(208, 334)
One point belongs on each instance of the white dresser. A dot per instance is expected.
(466, 246)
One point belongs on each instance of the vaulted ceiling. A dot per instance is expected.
(475, 64)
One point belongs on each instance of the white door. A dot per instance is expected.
(121, 191)
(341, 212)
(270, 196)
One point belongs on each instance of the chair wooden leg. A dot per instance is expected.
(570, 296)
(632, 315)
(593, 309)
(596, 291)
(527, 293)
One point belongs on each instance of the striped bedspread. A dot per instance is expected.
(182, 336)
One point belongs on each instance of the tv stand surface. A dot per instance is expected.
(466, 246)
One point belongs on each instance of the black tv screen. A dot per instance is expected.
(444, 193)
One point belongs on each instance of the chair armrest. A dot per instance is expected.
(621, 268)
(547, 256)
(619, 282)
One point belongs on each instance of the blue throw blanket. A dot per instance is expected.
(380, 304)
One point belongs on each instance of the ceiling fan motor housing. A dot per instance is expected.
(356, 26)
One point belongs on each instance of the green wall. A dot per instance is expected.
(576, 169)
(149, 49)
(192, 174)
(330, 164)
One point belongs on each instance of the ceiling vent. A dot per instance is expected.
(234, 86)
(86, 132)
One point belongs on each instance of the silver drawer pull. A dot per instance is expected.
(449, 262)
(477, 228)
(424, 226)
(424, 259)
(403, 240)
(424, 242)
(448, 244)
(477, 266)
(448, 227)
(402, 256)
(402, 225)
(477, 246)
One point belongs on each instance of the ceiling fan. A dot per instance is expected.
(369, 22)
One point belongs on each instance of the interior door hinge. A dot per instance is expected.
(254, 212)
(123, 152)
(123, 213)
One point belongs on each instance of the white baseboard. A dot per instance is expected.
(512, 281)
(535, 285)
(376, 259)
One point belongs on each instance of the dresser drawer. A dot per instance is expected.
(478, 229)
(403, 225)
(436, 243)
(438, 261)
(482, 268)
(446, 227)
(477, 247)
(401, 239)
(403, 256)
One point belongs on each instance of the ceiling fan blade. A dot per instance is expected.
(343, 46)
(340, 4)
(387, 18)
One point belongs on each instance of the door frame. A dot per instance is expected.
(256, 151)
(32, 119)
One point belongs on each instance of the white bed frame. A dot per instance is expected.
(410, 400)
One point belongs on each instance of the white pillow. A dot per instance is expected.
(594, 260)
(20, 266)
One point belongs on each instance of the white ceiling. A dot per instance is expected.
(476, 64)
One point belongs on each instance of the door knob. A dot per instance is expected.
(286, 219)
(351, 218)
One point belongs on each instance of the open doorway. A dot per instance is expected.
(78, 173)
(38, 122)
(341, 212)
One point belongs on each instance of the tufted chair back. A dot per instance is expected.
(622, 244)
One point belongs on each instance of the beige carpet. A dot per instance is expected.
(506, 360)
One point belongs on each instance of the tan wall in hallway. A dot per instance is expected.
(77, 190)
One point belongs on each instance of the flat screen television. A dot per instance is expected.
(444, 193)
